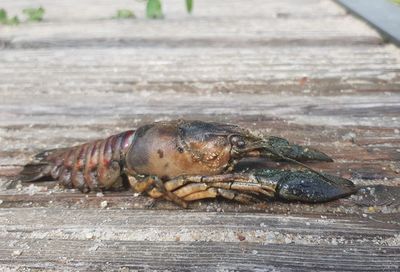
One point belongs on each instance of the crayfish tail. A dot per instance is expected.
(90, 166)
(39, 168)
(33, 172)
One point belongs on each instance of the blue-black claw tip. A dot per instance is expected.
(307, 186)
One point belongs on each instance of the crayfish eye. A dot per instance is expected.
(238, 141)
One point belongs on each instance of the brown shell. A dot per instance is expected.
(160, 150)
(91, 165)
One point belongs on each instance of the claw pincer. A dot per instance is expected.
(293, 151)
(305, 186)
(189, 160)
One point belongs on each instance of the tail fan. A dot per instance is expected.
(39, 168)
(34, 172)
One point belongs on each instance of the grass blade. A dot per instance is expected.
(154, 9)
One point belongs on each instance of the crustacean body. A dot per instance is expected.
(189, 160)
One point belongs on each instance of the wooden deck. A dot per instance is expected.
(304, 70)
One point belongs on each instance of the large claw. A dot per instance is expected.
(293, 151)
(306, 186)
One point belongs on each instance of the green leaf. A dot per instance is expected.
(3, 16)
(124, 14)
(5, 20)
(34, 14)
(396, 2)
(154, 9)
(13, 21)
(189, 6)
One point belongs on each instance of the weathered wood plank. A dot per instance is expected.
(304, 70)
(370, 110)
(206, 27)
(200, 256)
(95, 9)
(359, 152)
(264, 69)
(83, 239)
(375, 201)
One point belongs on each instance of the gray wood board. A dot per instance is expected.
(304, 70)
(195, 241)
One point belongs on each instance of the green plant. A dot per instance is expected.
(189, 6)
(34, 14)
(13, 21)
(154, 9)
(4, 20)
(3, 15)
(124, 14)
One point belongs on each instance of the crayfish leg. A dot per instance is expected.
(240, 187)
(147, 183)
(225, 193)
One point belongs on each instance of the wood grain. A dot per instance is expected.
(180, 240)
(303, 70)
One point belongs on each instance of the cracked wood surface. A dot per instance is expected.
(201, 241)
(303, 70)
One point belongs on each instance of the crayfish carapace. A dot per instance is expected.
(190, 160)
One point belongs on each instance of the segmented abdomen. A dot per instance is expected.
(92, 165)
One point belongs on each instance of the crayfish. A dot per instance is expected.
(183, 161)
